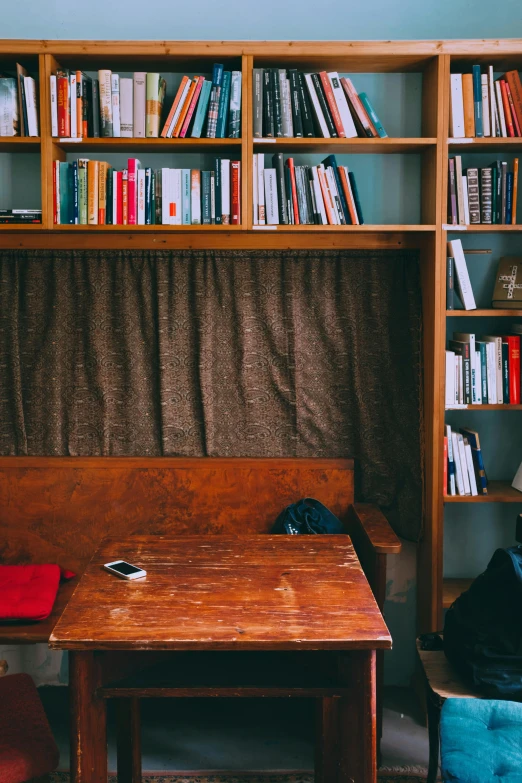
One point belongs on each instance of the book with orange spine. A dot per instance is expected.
(515, 86)
(469, 105)
(173, 108)
(184, 109)
(507, 109)
(192, 106)
(332, 104)
(359, 113)
(102, 192)
(514, 117)
(290, 163)
(125, 197)
(327, 199)
(345, 182)
(93, 168)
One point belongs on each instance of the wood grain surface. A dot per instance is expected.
(245, 592)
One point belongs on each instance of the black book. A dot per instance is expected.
(217, 190)
(96, 109)
(268, 106)
(148, 196)
(306, 109)
(317, 215)
(302, 195)
(295, 103)
(24, 120)
(310, 200)
(278, 165)
(355, 194)
(324, 105)
(275, 87)
(206, 214)
(87, 104)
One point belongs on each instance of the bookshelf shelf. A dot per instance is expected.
(359, 145)
(485, 144)
(452, 588)
(150, 145)
(366, 227)
(482, 228)
(492, 407)
(492, 313)
(498, 492)
(147, 229)
(19, 144)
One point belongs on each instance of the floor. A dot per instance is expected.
(244, 734)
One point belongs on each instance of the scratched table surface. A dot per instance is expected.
(255, 592)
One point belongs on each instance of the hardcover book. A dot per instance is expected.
(507, 294)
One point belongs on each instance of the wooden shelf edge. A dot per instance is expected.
(480, 228)
(492, 313)
(493, 407)
(498, 492)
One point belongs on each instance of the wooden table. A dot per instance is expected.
(300, 603)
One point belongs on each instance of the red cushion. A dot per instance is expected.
(28, 592)
(27, 746)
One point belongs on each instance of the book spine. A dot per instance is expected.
(450, 284)
(132, 191)
(325, 113)
(140, 212)
(509, 197)
(261, 189)
(342, 104)
(500, 109)
(64, 120)
(507, 110)
(95, 109)
(486, 118)
(503, 194)
(373, 115)
(217, 186)
(457, 106)
(514, 117)
(306, 109)
(54, 107)
(505, 373)
(452, 193)
(223, 109)
(125, 197)
(332, 162)
(515, 192)
(105, 82)
(102, 193)
(473, 195)
(295, 206)
(345, 181)
(201, 110)
(358, 110)
(212, 197)
(515, 87)
(213, 110)
(182, 110)
(484, 372)
(514, 369)
(195, 197)
(185, 197)
(92, 191)
(465, 199)
(235, 193)
(152, 104)
(148, 196)
(485, 195)
(56, 193)
(139, 104)
(456, 251)
(205, 198)
(477, 101)
(469, 105)
(275, 89)
(73, 106)
(355, 192)
(257, 107)
(278, 165)
(234, 117)
(284, 84)
(225, 191)
(118, 198)
(176, 197)
(460, 195)
(115, 98)
(271, 200)
(295, 103)
(126, 108)
(332, 104)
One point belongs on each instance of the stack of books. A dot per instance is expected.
(304, 195)
(485, 195)
(114, 106)
(483, 370)
(293, 104)
(20, 216)
(18, 104)
(482, 106)
(464, 472)
(91, 192)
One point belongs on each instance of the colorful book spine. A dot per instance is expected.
(373, 115)
(213, 109)
(235, 192)
(477, 101)
(201, 110)
(234, 117)
(224, 100)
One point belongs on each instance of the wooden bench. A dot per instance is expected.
(58, 509)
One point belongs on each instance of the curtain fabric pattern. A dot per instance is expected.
(229, 353)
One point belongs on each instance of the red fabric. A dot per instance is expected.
(28, 592)
(27, 746)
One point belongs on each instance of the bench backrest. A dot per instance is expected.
(57, 509)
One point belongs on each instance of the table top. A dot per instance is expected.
(256, 592)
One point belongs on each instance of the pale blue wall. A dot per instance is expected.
(262, 19)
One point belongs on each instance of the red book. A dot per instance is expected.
(290, 164)
(513, 342)
(132, 191)
(507, 108)
(332, 104)
(235, 193)
(192, 107)
(119, 198)
(445, 470)
(513, 112)
(515, 87)
(64, 112)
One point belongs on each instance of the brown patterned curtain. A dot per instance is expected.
(236, 353)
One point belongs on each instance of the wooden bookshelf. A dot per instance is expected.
(434, 60)
(488, 407)
(498, 492)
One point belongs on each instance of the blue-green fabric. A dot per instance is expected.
(481, 741)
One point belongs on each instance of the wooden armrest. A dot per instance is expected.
(370, 521)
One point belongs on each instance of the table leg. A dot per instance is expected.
(357, 752)
(128, 740)
(88, 719)
(326, 740)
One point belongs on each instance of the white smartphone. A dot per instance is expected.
(125, 570)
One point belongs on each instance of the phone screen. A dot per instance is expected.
(125, 568)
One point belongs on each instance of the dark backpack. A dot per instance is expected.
(483, 628)
(307, 516)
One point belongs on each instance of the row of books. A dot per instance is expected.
(507, 294)
(18, 104)
(482, 106)
(464, 471)
(112, 106)
(291, 103)
(20, 216)
(287, 194)
(92, 192)
(483, 370)
(485, 195)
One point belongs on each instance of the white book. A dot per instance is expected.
(464, 464)
(486, 120)
(288, 94)
(105, 81)
(195, 195)
(31, 105)
(54, 107)
(456, 251)
(497, 342)
(72, 105)
(471, 469)
(332, 185)
(478, 376)
(316, 106)
(140, 176)
(342, 104)
(491, 371)
(461, 490)
(126, 108)
(114, 197)
(460, 379)
(272, 206)
(465, 199)
(179, 109)
(115, 97)
(286, 106)
(165, 205)
(457, 107)
(328, 195)
(493, 113)
(139, 99)
(460, 198)
(225, 191)
(319, 196)
(452, 490)
(177, 187)
(450, 379)
(500, 110)
(261, 188)
(255, 200)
